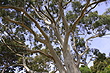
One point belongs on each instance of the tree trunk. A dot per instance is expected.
(69, 63)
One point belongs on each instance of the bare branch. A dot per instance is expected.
(41, 52)
(31, 51)
(68, 60)
(57, 34)
(96, 2)
(3, 71)
(12, 7)
(29, 29)
(26, 67)
(14, 39)
(6, 44)
(10, 47)
(46, 16)
(91, 9)
(90, 60)
(65, 41)
(45, 3)
(74, 44)
(58, 19)
(40, 16)
(56, 58)
(62, 15)
(77, 54)
(50, 15)
(23, 18)
(82, 14)
(78, 61)
(67, 3)
(30, 17)
(87, 48)
(36, 11)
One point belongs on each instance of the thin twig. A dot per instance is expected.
(91, 9)
(96, 2)
(50, 14)
(67, 3)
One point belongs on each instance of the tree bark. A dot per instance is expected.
(69, 63)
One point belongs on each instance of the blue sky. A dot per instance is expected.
(103, 44)
(102, 7)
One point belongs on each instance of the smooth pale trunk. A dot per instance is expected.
(69, 63)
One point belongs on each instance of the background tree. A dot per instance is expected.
(45, 33)
(101, 64)
(85, 69)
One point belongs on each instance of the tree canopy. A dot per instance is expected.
(38, 34)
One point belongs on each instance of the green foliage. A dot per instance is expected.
(39, 63)
(107, 69)
(101, 65)
(85, 69)
(77, 7)
(91, 23)
(7, 57)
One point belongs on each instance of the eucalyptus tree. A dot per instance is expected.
(50, 31)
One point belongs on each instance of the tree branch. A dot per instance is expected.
(6, 44)
(14, 39)
(30, 51)
(39, 51)
(77, 54)
(48, 44)
(58, 19)
(68, 60)
(29, 29)
(63, 16)
(46, 4)
(91, 9)
(3, 71)
(96, 2)
(90, 60)
(57, 34)
(74, 45)
(26, 67)
(81, 15)
(50, 15)
(65, 44)
(67, 3)
(87, 48)
(30, 17)
(9, 47)
(40, 16)
(56, 58)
